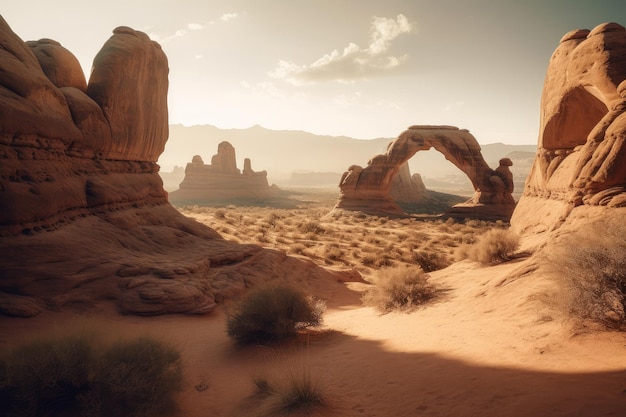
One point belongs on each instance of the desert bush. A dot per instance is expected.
(592, 265)
(430, 261)
(270, 313)
(294, 392)
(136, 378)
(333, 252)
(298, 248)
(400, 289)
(312, 226)
(369, 259)
(493, 247)
(47, 377)
(220, 214)
(72, 376)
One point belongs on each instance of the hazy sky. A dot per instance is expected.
(360, 68)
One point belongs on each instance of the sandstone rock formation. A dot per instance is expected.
(222, 181)
(368, 189)
(582, 139)
(84, 218)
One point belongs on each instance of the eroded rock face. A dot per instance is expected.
(221, 180)
(581, 148)
(368, 189)
(84, 219)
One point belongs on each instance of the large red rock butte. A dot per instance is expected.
(368, 189)
(84, 219)
(580, 161)
(222, 181)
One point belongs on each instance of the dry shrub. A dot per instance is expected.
(272, 312)
(333, 252)
(311, 227)
(76, 376)
(493, 247)
(400, 289)
(220, 214)
(369, 259)
(591, 263)
(430, 261)
(298, 392)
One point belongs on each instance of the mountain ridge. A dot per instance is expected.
(283, 152)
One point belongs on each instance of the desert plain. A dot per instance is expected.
(496, 341)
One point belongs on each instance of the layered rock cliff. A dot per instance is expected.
(84, 219)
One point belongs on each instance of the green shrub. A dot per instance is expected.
(72, 376)
(270, 313)
(400, 289)
(493, 247)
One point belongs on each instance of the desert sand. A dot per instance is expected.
(491, 344)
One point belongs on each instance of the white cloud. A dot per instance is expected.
(228, 16)
(353, 62)
(195, 26)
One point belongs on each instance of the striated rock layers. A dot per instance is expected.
(368, 189)
(83, 215)
(581, 156)
(221, 180)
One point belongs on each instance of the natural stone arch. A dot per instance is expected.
(367, 189)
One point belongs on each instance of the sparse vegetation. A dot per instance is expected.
(272, 312)
(75, 376)
(357, 240)
(400, 288)
(493, 247)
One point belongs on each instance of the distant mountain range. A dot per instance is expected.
(293, 158)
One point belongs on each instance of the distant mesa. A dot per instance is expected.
(84, 219)
(580, 163)
(222, 181)
(372, 190)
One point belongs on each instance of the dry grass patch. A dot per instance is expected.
(591, 265)
(493, 247)
(400, 288)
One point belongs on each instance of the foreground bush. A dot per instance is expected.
(270, 313)
(493, 247)
(297, 392)
(400, 289)
(591, 263)
(71, 376)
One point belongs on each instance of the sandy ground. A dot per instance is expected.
(487, 347)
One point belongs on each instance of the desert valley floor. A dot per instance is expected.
(494, 343)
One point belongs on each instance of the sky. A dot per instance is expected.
(357, 68)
